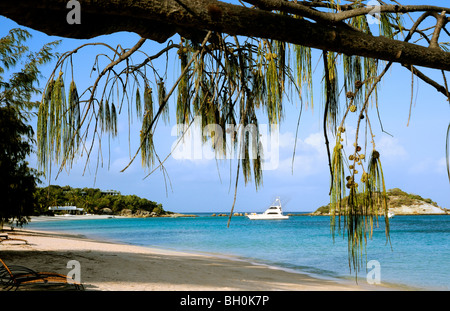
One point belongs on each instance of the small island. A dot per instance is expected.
(401, 203)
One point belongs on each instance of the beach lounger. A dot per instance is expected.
(12, 277)
(5, 237)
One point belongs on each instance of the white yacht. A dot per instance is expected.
(391, 214)
(273, 212)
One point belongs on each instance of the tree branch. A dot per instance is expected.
(388, 9)
(441, 21)
(160, 19)
(425, 78)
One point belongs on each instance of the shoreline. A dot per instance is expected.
(114, 266)
(194, 215)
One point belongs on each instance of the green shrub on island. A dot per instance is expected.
(403, 198)
(93, 201)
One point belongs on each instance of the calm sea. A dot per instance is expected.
(418, 255)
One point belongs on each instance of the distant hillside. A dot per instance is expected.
(96, 201)
(402, 203)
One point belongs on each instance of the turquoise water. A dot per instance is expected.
(418, 255)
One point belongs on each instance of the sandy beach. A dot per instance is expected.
(109, 266)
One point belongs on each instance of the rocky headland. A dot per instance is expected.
(402, 203)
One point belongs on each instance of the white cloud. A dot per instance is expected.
(316, 141)
(391, 149)
(310, 155)
(286, 140)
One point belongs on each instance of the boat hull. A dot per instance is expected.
(274, 212)
(266, 217)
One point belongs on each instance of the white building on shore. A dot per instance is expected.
(68, 209)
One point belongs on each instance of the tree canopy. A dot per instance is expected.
(239, 61)
(17, 86)
(92, 200)
(17, 180)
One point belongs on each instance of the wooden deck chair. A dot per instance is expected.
(12, 277)
(5, 237)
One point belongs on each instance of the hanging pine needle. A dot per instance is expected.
(58, 110)
(339, 185)
(101, 117)
(74, 113)
(377, 186)
(113, 127)
(148, 102)
(183, 101)
(161, 97)
(138, 102)
(146, 136)
(42, 125)
(106, 116)
(304, 71)
(331, 88)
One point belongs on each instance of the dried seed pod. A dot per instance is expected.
(350, 95)
(358, 148)
(352, 108)
(351, 157)
(375, 154)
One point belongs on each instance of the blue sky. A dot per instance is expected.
(413, 158)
